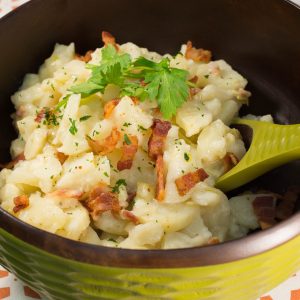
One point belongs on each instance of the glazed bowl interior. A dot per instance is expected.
(259, 38)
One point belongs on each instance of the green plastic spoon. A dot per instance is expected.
(272, 145)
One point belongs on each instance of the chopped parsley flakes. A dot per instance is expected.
(84, 118)
(73, 129)
(116, 188)
(186, 156)
(127, 139)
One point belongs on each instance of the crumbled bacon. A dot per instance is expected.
(128, 153)
(131, 196)
(130, 200)
(109, 107)
(287, 203)
(20, 202)
(128, 215)
(102, 199)
(189, 180)
(67, 193)
(265, 210)
(61, 157)
(108, 38)
(12, 163)
(40, 115)
(108, 145)
(156, 145)
(197, 55)
(157, 140)
(160, 183)
(86, 58)
(229, 160)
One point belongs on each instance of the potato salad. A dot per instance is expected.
(122, 147)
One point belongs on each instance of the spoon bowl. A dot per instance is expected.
(270, 146)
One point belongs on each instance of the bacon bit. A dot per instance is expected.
(108, 145)
(12, 163)
(156, 142)
(128, 153)
(101, 199)
(213, 240)
(189, 180)
(20, 202)
(67, 193)
(128, 215)
(40, 115)
(287, 204)
(229, 161)
(265, 210)
(109, 107)
(108, 38)
(160, 183)
(197, 55)
(130, 197)
(86, 58)
(130, 200)
(61, 157)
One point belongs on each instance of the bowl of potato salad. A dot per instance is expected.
(117, 139)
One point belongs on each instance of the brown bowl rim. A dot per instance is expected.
(230, 251)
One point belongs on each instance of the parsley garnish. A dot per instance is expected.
(141, 78)
(127, 139)
(165, 84)
(84, 118)
(109, 72)
(73, 129)
(116, 188)
(186, 156)
(63, 103)
(140, 127)
(49, 117)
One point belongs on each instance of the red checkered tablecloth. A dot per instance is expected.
(12, 288)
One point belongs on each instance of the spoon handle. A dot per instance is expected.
(272, 145)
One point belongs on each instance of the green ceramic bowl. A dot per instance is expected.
(260, 38)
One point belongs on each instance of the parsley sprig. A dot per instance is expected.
(141, 78)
